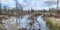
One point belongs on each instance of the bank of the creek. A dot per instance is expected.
(53, 23)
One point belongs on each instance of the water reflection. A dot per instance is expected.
(14, 23)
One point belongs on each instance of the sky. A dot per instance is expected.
(28, 4)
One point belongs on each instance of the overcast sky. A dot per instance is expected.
(35, 4)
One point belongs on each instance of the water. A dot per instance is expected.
(23, 23)
(42, 23)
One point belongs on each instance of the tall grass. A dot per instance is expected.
(52, 23)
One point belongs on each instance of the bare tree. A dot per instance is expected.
(0, 8)
(57, 6)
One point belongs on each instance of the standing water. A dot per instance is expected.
(24, 24)
(42, 23)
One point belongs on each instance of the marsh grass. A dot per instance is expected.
(53, 23)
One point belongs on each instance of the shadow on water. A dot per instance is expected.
(26, 24)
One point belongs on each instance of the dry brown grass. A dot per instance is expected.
(53, 22)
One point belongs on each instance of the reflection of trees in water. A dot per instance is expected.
(29, 23)
(12, 26)
(33, 22)
(8, 23)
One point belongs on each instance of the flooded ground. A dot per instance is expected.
(15, 23)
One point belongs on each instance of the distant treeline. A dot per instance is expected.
(20, 10)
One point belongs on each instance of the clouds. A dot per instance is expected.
(51, 0)
(35, 4)
(52, 3)
(38, 4)
(10, 3)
